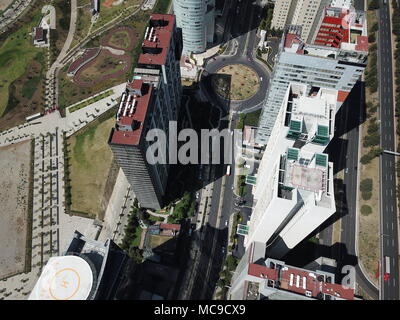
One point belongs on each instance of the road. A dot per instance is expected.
(215, 237)
(387, 162)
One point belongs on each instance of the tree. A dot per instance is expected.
(231, 263)
(366, 210)
(373, 5)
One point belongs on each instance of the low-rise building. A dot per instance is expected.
(259, 278)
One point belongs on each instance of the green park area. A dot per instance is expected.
(90, 161)
(16, 53)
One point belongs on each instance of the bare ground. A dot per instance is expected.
(14, 194)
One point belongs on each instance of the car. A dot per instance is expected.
(223, 249)
(197, 195)
(247, 166)
(347, 170)
(226, 223)
(386, 277)
(260, 78)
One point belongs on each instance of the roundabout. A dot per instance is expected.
(253, 100)
(236, 82)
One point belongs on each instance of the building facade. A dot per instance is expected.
(299, 12)
(314, 65)
(196, 18)
(151, 100)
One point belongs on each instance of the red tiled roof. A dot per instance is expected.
(135, 84)
(170, 226)
(38, 33)
(133, 137)
(342, 95)
(338, 290)
(362, 43)
(300, 281)
(163, 39)
(260, 271)
(290, 39)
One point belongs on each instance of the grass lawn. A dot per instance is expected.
(120, 39)
(16, 53)
(109, 13)
(239, 80)
(138, 237)
(104, 65)
(249, 119)
(91, 159)
(157, 240)
(82, 24)
(91, 101)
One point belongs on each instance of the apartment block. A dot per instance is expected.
(150, 101)
(299, 12)
(259, 278)
(314, 65)
(196, 18)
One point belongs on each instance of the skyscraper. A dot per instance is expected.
(338, 68)
(196, 18)
(151, 100)
(294, 190)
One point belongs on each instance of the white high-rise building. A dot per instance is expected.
(294, 191)
(196, 18)
(314, 65)
(298, 197)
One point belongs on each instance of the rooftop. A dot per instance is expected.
(343, 27)
(157, 39)
(132, 113)
(64, 278)
(309, 112)
(311, 284)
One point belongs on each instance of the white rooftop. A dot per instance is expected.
(64, 278)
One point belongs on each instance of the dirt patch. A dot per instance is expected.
(4, 4)
(108, 3)
(14, 194)
(103, 67)
(236, 82)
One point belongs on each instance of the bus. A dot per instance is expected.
(228, 170)
(387, 265)
(33, 117)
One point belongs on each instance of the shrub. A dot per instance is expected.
(366, 195)
(371, 38)
(366, 210)
(366, 185)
